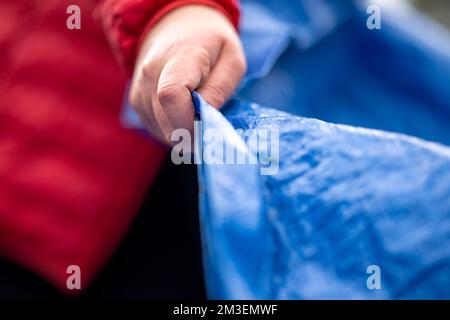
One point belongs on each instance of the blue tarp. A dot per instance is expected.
(344, 198)
(332, 67)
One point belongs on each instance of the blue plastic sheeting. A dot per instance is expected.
(318, 59)
(343, 199)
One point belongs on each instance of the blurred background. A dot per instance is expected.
(438, 9)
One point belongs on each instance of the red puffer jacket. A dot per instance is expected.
(71, 178)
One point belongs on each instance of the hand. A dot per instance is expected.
(192, 48)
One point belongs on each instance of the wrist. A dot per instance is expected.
(231, 14)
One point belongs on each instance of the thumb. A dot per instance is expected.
(182, 73)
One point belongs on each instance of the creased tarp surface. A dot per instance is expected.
(317, 58)
(344, 198)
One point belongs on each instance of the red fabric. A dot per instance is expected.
(71, 178)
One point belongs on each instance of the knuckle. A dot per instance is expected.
(202, 56)
(168, 93)
(174, 48)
